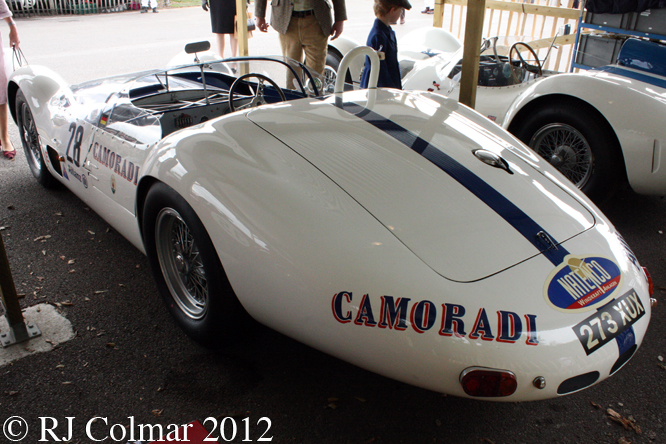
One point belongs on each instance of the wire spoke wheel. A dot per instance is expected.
(31, 143)
(187, 270)
(567, 150)
(181, 263)
(330, 76)
(29, 136)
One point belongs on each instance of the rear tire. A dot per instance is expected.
(31, 143)
(188, 271)
(579, 145)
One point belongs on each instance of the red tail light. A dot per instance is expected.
(489, 383)
(649, 279)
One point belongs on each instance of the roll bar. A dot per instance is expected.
(344, 67)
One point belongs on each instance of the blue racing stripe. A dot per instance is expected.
(506, 209)
(626, 340)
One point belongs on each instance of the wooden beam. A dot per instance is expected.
(546, 42)
(526, 8)
(469, 76)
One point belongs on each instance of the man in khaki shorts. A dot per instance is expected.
(304, 27)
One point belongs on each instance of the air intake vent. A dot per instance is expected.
(577, 383)
(183, 121)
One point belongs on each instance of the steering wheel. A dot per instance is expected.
(534, 69)
(258, 94)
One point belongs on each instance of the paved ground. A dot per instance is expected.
(129, 360)
(85, 47)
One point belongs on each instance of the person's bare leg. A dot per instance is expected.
(233, 44)
(220, 45)
(4, 133)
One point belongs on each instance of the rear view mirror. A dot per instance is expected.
(192, 48)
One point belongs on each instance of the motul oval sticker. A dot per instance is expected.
(582, 283)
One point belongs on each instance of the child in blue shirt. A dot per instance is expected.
(382, 39)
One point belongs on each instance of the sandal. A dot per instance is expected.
(9, 154)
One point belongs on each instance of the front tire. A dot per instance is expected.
(577, 142)
(187, 269)
(31, 143)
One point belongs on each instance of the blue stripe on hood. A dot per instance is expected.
(506, 209)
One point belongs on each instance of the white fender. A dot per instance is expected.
(643, 140)
(40, 84)
(432, 38)
(343, 45)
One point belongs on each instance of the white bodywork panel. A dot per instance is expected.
(359, 229)
(369, 225)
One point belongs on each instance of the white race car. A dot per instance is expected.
(600, 128)
(399, 231)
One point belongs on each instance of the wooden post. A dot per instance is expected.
(18, 331)
(241, 27)
(8, 290)
(469, 76)
(438, 14)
